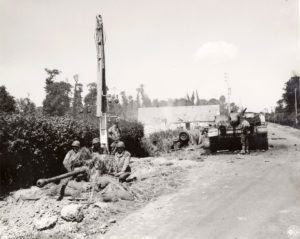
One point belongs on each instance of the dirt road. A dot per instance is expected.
(256, 196)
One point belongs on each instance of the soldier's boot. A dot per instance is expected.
(243, 150)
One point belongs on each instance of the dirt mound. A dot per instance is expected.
(35, 212)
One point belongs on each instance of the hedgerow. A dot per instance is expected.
(132, 133)
(162, 140)
(33, 147)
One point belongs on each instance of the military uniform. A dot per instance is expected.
(203, 141)
(122, 162)
(120, 166)
(204, 144)
(69, 160)
(245, 126)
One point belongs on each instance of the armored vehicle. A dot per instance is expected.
(225, 134)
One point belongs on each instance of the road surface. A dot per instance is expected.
(256, 196)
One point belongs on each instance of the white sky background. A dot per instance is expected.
(171, 46)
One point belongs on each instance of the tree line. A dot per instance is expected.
(64, 99)
(285, 110)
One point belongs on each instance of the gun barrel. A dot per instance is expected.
(42, 182)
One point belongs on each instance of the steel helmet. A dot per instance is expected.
(120, 144)
(95, 141)
(76, 143)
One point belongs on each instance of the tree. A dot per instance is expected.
(193, 98)
(146, 101)
(138, 99)
(289, 93)
(90, 99)
(58, 98)
(188, 100)
(25, 106)
(213, 101)
(197, 98)
(125, 104)
(180, 102)
(77, 99)
(155, 103)
(280, 108)
(131, 107)
(203, 102)
(51, 75)
(7, 102)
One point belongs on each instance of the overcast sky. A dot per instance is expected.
(171, 46)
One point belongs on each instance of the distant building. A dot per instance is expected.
(186, 117)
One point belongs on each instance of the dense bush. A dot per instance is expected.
(132, 133)
(161, 141)
(33, 147)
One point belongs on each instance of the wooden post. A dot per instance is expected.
(101, 81)
(296, 120)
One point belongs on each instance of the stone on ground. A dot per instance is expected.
(45, 222)
(72, 213)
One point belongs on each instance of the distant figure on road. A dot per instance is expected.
(245, 126)
(114, 135)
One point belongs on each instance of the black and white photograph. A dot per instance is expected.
(150, 119)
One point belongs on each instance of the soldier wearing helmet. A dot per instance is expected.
(99, 159)
(75, 158)
(121, 162)
(71, 156)
(245, 126)
(97, 147)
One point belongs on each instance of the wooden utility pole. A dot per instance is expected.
(296, 120)
(101, 81)
(229, 92)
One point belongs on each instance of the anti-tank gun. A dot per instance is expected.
(77, 172)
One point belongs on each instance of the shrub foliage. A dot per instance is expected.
(163, 139)
(132, 133)
(33, 147)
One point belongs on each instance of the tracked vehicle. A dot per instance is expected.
(225, 134)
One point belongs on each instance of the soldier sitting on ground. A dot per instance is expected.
(204, 142)
(77, 158)
(97, 147)
(71, 156)
(121, 168)
(99, 158)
